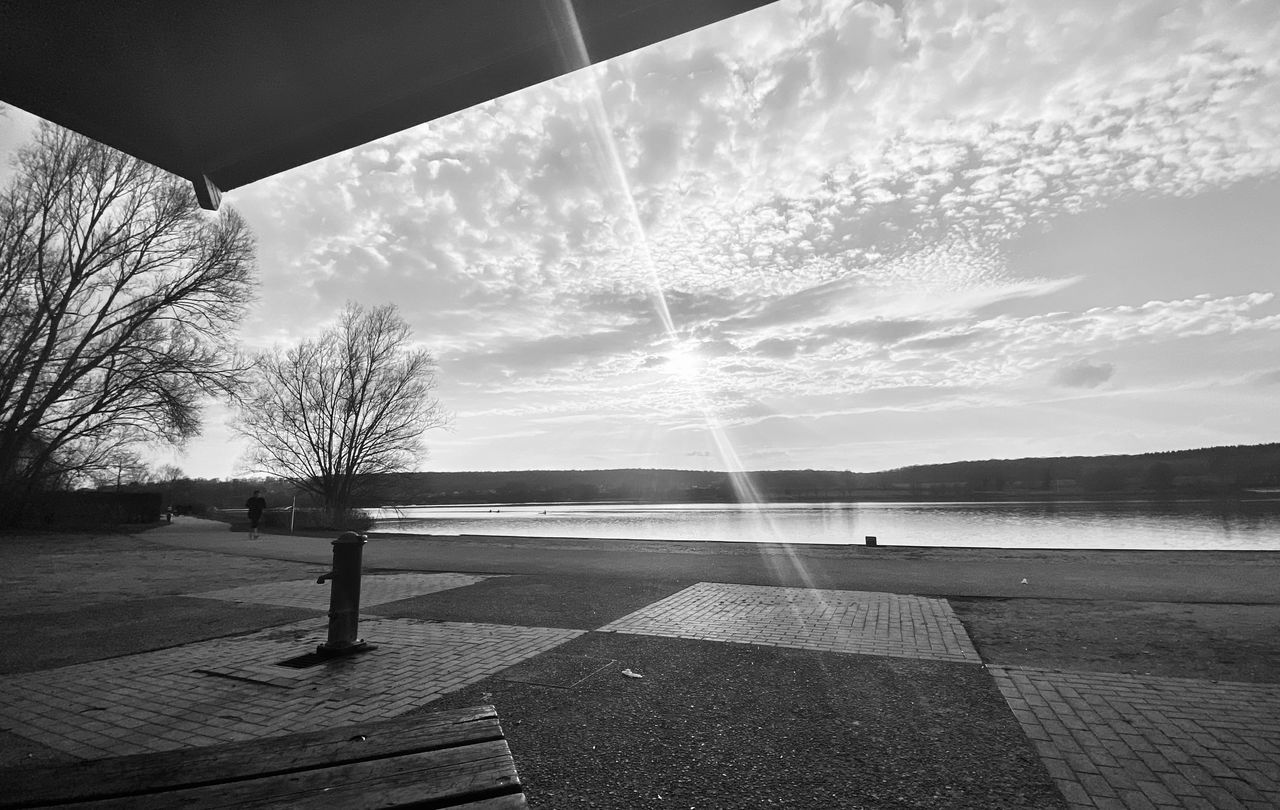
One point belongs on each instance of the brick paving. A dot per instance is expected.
(835, 621)
(172, 698)
(1126, 741)
(375, 589)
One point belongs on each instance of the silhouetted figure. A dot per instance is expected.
(256, 506)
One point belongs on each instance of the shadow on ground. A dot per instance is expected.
(575, 603)
(120, 628)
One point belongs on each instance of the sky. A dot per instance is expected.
(823, 234)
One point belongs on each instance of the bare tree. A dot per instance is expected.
(168, 473)
(117, 298)
(334, 411)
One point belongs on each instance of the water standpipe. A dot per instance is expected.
(344, 597)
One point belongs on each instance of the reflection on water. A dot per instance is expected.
(1186, 525)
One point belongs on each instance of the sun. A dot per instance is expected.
(684, 361)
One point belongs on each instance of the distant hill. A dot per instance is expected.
(1217, 472)
(1209, 472)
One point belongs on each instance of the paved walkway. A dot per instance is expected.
(235, 688)
(1124, 741)
(1109, 741)
(834, 621)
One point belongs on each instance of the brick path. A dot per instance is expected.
(375, 589)
(1124, 741)
(835, 621)
(169, 698)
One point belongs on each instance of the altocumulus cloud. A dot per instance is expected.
(799, 145)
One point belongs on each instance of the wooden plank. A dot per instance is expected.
(191, 767)
(435, 778)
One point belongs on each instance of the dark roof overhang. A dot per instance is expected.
(226, 92)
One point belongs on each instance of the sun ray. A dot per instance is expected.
(744, 489)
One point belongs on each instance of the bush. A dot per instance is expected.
(82, 509)
(196, 509)
(353, 520)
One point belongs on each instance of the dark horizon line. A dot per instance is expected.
(855, 472)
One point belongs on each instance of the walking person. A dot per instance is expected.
(256, 506)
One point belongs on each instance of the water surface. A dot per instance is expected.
(1181, 525)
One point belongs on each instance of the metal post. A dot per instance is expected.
(344, 598)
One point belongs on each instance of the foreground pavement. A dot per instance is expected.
(470, 618)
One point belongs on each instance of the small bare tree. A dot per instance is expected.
(334, 411)
(118, 295)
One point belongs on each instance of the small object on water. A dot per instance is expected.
(871, 539)
(631, 674)
(358, 738)
(1024, 580)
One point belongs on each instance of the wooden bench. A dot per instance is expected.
(457, 758)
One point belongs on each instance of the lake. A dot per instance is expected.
(1180, 525)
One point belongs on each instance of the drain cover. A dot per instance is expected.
(562, 671)
(304, 661)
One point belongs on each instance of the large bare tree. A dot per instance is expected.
(332, 412)
(118, 296)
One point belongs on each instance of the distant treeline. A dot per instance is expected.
(203, 496)
(1239, 471)
(1209, 472)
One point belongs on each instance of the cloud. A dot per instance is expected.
(1083, 374)
(556, 351)
(821, 196)
(777, 348)
(948, 339)
(809, 149)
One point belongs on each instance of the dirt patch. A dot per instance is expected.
(17, 751)
(57, 572)
(730, 726)
(1172, 639)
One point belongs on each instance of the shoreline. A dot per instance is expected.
(1245, 496)
(1241, 577)
(1130, 526)
(813, 549)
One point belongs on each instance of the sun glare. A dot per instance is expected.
(684, 362)
(683, 359)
